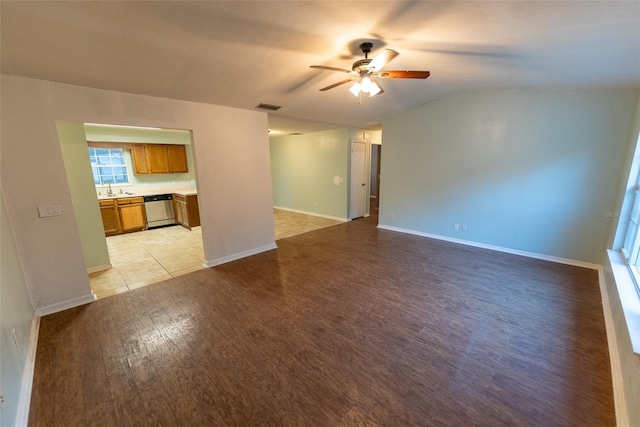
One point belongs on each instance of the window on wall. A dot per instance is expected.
(108, 166)
(631, 246)
(630, 219)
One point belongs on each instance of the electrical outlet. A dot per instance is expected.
(1, 399)
(315, 203)
(456, 227)
(393, 215)
(463, 227)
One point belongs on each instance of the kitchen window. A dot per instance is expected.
(108, 166)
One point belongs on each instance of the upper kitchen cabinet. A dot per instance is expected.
(177, 155)
(139, 158)
(159, 158)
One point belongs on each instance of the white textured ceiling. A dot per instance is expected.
(241, 53)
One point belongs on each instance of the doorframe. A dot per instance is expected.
(367, 172)
(375, 145)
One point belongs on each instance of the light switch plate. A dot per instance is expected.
(45, 211)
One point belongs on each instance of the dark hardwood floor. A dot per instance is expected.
(345, 326)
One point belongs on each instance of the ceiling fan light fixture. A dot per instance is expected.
(375, 89)
(355, 89)
(364, 70)
(366, 82)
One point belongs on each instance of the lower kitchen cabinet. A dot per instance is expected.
(123, 215)
(185, 209)
(132, 214)
(109, 213)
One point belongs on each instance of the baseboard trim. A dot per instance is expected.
(240, 255)
(495, 248)
(337, 218)
(619, 400)
(97, 268)
(24, 402)
(65, 305)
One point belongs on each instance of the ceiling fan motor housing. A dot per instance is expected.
(361, 65)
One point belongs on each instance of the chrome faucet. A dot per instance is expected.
(109, 191)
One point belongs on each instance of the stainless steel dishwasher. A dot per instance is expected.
(159, 210)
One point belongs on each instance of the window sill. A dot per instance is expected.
(629, 297)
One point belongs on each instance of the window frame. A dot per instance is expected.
(100, 177)
(630, 218)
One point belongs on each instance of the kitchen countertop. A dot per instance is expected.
(117, 196)
(186, 192)
(148, 192)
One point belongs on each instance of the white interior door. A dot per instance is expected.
(358, 180)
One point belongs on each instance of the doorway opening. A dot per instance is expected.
(121, 252)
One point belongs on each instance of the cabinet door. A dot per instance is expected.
(193, 211)
(109, 219)
(132, 217)
(157, 158)
(178, 210)
(139, 156)
(177, 155)
(184, 213)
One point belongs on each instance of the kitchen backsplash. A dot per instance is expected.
(146, 189)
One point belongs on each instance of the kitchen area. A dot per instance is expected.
(145, 191)
(128, 208)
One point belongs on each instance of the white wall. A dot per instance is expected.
(625, 362)
(75, 155)
(527, 170)
(303, 170)
(16, 314)
(232, 161)
(304, 166)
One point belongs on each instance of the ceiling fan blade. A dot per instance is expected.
(403, 74)
(381, 59)
(335, 84)
(322, 67)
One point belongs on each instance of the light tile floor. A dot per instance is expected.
(151, 256)
(289, 224)
(146, 257)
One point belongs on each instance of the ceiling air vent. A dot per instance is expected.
(268, 107)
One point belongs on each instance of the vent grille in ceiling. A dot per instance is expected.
(269, 107)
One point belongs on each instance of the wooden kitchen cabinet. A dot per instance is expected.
(177, 155)
(159, 158)
(185, 209)
(139, 158)
(123, 215)
(132, 214)
(109, 213)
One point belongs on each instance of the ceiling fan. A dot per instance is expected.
(364, 72)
